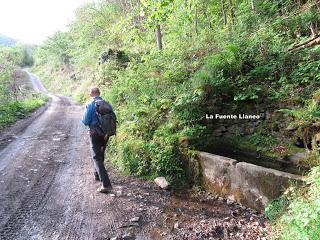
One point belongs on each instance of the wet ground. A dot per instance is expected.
(48, 191)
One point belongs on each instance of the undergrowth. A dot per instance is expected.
(162, 95)
(296, 215)
(12, 111)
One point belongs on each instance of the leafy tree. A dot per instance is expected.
(55, 50)
(156, 12)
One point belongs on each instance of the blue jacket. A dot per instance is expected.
(90, 117)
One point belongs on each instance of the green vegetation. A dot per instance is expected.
(179, 60)
(296, 215)
(16, 97)
(276, 208)
(13, 110)
(303, 218)
(306, 115)
(164, 64)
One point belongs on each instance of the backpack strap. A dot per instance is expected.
(95, 111)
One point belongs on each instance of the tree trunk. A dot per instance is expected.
(138, 7)
(123, 7)
(223, 13)
(307, 44)
(207, 16)
(232, 14)
(196, 20)
(159, 37)
(253, 6)
(314, 30)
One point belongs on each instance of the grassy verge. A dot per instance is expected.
(14, 110)
(296, 215)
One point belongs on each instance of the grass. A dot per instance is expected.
(296, 215)
(14, 110)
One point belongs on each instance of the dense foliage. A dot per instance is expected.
(16, 97)
(296, 215)
(164, 64)
(178, 60)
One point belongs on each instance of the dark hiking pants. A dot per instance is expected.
(98, 147)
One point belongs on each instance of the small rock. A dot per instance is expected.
(255, 223)
(291, 128)
(135, 219)
(226, 219)
(118, 187)
(118, 193)
(176, 225)
(112, 195)
(162, 182)
(128, 236)
(297, 157)
(242, 221)
(128, 225)
(230, 200)
(217, 134)
(234, 213)
(134, 224)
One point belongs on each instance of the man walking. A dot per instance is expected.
(98, 143)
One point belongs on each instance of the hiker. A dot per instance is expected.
(98, 142)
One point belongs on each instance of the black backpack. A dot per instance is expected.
(107, 119)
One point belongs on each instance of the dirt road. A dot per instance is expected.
(48, 191)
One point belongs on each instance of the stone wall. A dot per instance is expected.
(275, 120)
(251, 185)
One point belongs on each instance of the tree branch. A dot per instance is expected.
(309, 43)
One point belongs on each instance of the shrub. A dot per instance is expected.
(302, 221)
(276, 208)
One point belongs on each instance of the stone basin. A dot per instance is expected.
(251, 185)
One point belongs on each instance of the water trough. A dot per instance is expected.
(249, 184)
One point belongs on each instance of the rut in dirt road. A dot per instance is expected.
(48, 192)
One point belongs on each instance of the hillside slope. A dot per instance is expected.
(244, 60)
(166, 65)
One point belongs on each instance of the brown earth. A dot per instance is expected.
(48, 191)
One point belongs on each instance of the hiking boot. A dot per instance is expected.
(103, 189)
